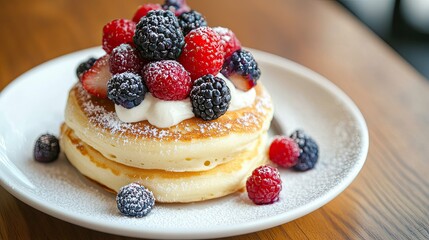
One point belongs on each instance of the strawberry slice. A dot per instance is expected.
(95, 80)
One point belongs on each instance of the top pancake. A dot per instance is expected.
(183, 147)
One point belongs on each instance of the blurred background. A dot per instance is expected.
(403, 24)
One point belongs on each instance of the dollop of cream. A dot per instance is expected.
(164, 114)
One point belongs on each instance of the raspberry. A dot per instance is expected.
(144, 9)
(284, 151)
(124, 58)
(46, 149)
(158, 36)
(242, 69)
(229, 41)
(176, 6)
(126, 89)
(189, 21)
(210, 97)
(264, 185)
(84, 66)
(309, 151)
(116, 32)
(134, 200)
(167, 80)
(202, 53)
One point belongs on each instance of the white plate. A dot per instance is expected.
(34, 103)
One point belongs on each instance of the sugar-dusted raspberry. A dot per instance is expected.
(117, 32)
(167, 80)
(202, 53)
(229, 41)
(264, 185)
(284, 151)
(309, 151)
(144, 9)
(124, 58)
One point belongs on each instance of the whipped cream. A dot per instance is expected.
(164, 114)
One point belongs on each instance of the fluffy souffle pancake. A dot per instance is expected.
(191, 145)
(166, 186)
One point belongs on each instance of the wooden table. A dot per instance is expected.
(390, 197)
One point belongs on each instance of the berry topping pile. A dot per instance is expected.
(167, 50)
(134, 200)
(46, 149)
(210, 97)
(299, 151)
(264, 185)
(126, 89)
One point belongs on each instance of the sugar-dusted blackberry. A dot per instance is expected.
(191, 20)
(210, 97)
(46, 149)
(84, 66)
(126, 89)
(242, 69)
(309, 151)
(134, 200)
(158, 36)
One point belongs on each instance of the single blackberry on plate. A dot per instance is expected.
(126, 89)
(309, 151)
(158, 36)
(134, 200)
(191, 20)
(47, 148)
(84, 66)
(210, 97)
(242, 69)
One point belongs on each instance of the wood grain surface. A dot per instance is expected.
(390, 197)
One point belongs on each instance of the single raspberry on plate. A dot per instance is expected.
(284, 151)
(229, 41)
(116, 32)
(124, 58)
(309, 151)
(264, 185)
(167, 80)
(94, 81)
(202, 53)
(46, 149)
(134, 200)
(176, 6)
(144, 9)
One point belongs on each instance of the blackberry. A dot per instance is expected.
(47, 148)
(191, 20)
(242, 62)
(158, 36)
(126, 89)
(309, 151)
(210, 97)
(84, 66)
(134, 200)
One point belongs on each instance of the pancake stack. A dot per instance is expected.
(192, 161)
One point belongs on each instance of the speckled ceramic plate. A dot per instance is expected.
(34, 103)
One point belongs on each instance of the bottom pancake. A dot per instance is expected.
(166, 186)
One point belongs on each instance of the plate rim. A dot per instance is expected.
(231, 230)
